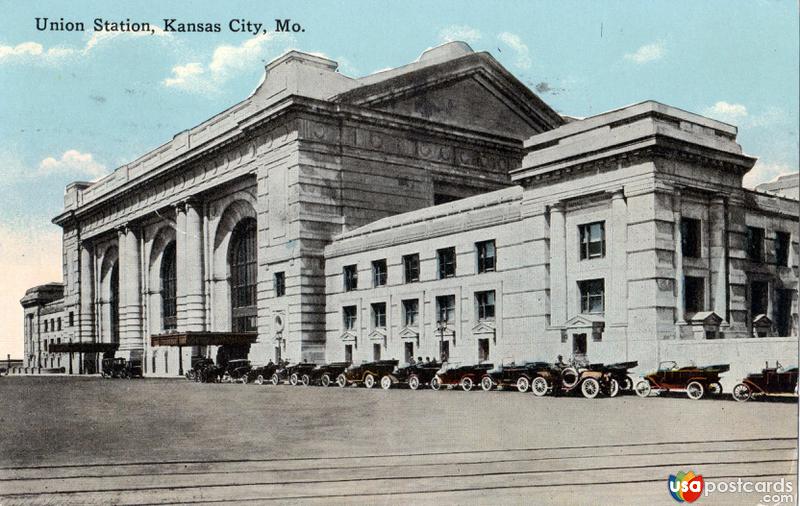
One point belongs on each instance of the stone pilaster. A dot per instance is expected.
(189, 249)
(618, 252)
(558, 266)
(130, 292)
(718, 256)
(86, 316)
(679, 280)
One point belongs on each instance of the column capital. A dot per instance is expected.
(717, 201)
(616, 193)
(189, 202)
(558, 207)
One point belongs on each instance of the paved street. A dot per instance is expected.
(68, 440)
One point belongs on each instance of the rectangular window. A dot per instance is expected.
(410, 312)
(280, 284)
(411, 268)
(376, 351)
(447, 262)
(690, 237)
(755, 244)
(446, 308)
(45, 325)
(592, 295)
(486, 256)
(52, 324)
(348, 353)
(58, 324)
(349, 317)
(379, 315)
(71, 318)
(408, 351)
(782, 311)
(782, 243)
(693, 294)
(593, 240)
(350, 277)
(759, 298)
(483, 350)
(485, 305)
(379, 272)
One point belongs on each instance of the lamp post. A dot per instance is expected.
(441, 325)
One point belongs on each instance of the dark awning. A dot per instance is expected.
(204, 339)
(82, 347)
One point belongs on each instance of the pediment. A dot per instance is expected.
(409, 333)
(377, 335)
(762, 320)
(484, 327)
(705, 318)
(348, 336)
(473, 91)
(584, 321)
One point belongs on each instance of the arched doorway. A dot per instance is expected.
(169, 277)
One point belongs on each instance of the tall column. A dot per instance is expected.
(180, 264)
(618, 253)
(86, 286)
(189, 247)
(558, 266)
(678, 252)
(718, 256)
(130, 286)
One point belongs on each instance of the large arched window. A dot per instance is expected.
(244, 268)
(169, 307)
(114, 303)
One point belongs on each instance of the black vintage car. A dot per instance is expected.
(695, 381)
(198, 366)
(121, 368)
(414, 375)
(620, 374)
(466, 376)
(326, 374)
(538, 376)
(776, 380)
(262, 374)
(293, 373)
(584, 378)
(367, 374)
(236, 371)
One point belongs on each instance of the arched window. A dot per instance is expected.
(242, 258)
(114, 303)
(169, 267)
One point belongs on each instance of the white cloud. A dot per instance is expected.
(30, 255)
(226, 61)
(73, 162)
(33, 51)
(514, 41)
(647, 53)
(723, 111)
(764, 172)
(459, 32)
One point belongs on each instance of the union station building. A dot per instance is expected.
(436, 208)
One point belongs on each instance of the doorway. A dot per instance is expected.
(444, 350)
(408, 352)
(579, 345)
(483, 350)
(376, 351)
(348, 353)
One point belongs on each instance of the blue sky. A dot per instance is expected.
(76, 105)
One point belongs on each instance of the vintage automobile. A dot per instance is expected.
(695, 381)
(293, 373)
(587, 379)
(121, 368)
(367, 373)
(776, 380)
(620, 373)
(465, 376)
(325, 374)
(538, 376)
(262, 374)
(195, 373)
(414, 375)
(236, 371)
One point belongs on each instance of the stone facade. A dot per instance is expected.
(566, 236)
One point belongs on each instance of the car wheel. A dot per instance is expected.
(369, 381)
(523, 384)
(539, 386)
(386, 382)
(325, 380)
(413, 382)
(487, 383)
(741, 392)
(436, 383)
(259, 380)
(466, 383)
(643, 388)
(627, 384)
(294, 379)
(569, 377)
(715, 388)
(590, 388)
(341, 380)
(226, 378)
(695, 390)
(613, 388)
(245, 379)
(276, 380)
(305, 380)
